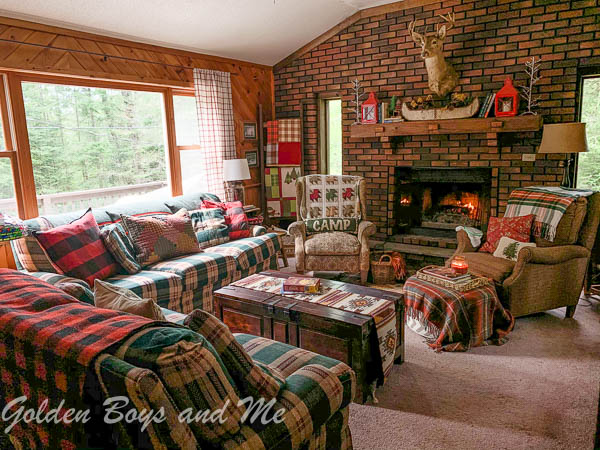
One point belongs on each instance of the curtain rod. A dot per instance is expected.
(104, 56)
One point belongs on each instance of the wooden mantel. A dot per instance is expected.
(449, 126)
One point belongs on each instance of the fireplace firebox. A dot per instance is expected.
(433, 202)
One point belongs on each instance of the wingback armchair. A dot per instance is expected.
(548, 276)
(324, 199)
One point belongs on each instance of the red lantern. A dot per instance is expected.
(369, 109)
(507, 100)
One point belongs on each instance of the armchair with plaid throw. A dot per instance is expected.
(332, 233)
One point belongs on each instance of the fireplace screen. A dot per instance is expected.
(441, 199)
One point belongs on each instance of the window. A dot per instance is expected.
(588, 166)
(8, 202)
(92, 146)
(186, 120)
(332, 137)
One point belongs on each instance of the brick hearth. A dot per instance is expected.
(491, 40)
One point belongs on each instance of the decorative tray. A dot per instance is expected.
(462, 285)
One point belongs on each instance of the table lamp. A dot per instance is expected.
(565, 138)
(234, 171)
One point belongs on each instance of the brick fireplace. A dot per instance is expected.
(491, 40)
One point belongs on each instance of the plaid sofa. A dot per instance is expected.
(180, 284)
(171, 368)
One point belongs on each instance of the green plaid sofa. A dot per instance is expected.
(180, 284)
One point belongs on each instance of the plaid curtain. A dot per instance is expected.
(215, 121)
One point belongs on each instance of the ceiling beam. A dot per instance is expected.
(361, 14)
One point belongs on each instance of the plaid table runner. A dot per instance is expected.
(48, 341)
(548, 203)
(382, 311)
(457, 321)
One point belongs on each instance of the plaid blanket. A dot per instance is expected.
(48, 343)
(457, 321)
(548, 203)
(382, 311)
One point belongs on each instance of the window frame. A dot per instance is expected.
(583, 74)
(17, 147)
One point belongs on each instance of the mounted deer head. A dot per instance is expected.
(442, 78)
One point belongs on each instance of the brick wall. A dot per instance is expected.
(491, 40)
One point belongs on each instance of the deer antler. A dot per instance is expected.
(417, 37)
(450, 18)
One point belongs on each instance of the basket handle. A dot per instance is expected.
(385, 256)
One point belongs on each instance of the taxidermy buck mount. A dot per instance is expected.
(442, 78)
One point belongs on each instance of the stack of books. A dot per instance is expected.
(487, 105)
(446, 277)
(301, 285)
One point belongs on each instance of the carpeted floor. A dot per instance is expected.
(539, 391)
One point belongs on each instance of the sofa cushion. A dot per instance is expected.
(160, 237)
(285, 360)
(567, 230)
(78, 249)
(198, 269)
(113, 297)
(72, 286)
(487, 265)
(120, 247)
(249, 378)
(334, 243)
(192, 373)
(190, 201)
(249, 252)
(209, 225)
(235, 218)
(163, 287)
(518, 228)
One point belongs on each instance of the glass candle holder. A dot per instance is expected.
(460, 265)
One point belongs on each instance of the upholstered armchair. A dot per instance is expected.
(548, 276)
(330, 235)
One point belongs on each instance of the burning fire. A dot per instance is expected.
(405, 201)
(469, 205)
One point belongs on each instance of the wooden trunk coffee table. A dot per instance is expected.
(345, 336)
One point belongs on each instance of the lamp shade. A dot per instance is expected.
(564, 138)
(236, 170)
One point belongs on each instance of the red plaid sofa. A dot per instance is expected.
(181, 284)
(155, 366)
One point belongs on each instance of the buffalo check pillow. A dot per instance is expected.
(77, 249)
(235, 218)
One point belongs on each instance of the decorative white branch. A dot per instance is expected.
(532, 68)
(359, 94)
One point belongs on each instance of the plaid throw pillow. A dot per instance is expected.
(162, 237)
(78, 249)
(250, 379)
(235, 218)
(31, 255)
(120, 247)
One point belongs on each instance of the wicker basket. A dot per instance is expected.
(383, 270)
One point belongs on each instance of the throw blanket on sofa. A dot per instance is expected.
(548, 203)
(48, 341)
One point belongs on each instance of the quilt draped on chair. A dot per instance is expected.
(215, 123)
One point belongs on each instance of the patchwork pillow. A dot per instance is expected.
(250, 379)
(120, 247)
(31, 255)
(209, 226)
(345, 224)
(509, 248)
(235, 218)
(518, 228)
(160, 237)
(109, 296)
(77, 249)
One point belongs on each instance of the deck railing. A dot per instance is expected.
(76, 200)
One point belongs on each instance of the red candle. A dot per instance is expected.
(460, 265)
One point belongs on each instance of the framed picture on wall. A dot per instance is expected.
(252, 157)
(250, 130)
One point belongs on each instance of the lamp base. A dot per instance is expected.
(566, 181)
(234, 191)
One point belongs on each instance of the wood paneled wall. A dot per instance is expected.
(33, 47)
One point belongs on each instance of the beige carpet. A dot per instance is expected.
(539, 391)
